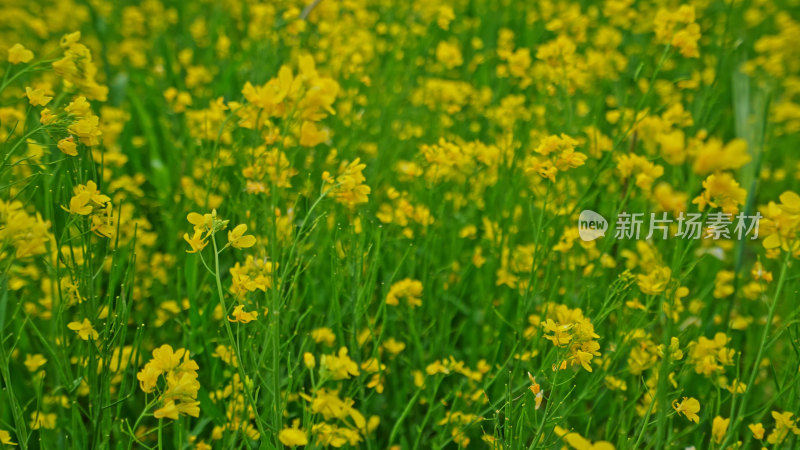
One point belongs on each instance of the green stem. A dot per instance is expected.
(19, 421)
(759, 354)
(234, 345)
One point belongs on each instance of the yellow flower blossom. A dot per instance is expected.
(719, 428)
(293, 437)
(241, 316)
(309, 361)
(407, 289)
(196, 241)
(68, 146)
(324, 335)
(19, 54)
(578, 442)
(37, 97)
(689, 407)
(84, 329)
(34, 362)
(5, 438)
(88, 130)
(238, 239)
(721, 191)
(340, 366)
(757, 429)
(784, 424)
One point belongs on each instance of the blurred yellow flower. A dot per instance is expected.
(241, 316)
(68, 146)
(5, 438)
(19, 54)
(84, 329)
(719, 428)
(689, 407)
(36, 97)
(293, 437)
(33, 362)
(757, 429)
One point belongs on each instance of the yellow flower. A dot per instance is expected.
(645, 171)
(166, 359)
(19, 54)
(584, 359)
(569, 159)
(88, 130)
(557, 155)
(393, 346)
(241, 316)
(271, 95)
(782, 223)
(655, 282)
(308, 360)
(68, 146)
(449, 55)
(537, 391)
(79, 204)
(33, 362)
(350, 189)
(36, 97)
(709, 356)
(323, 334)
(79, 107)
(615, 384)
(196, 241)
(721, 191)
(46, 117)
(759, 273)
(206, 222)
(686, 40)
(678, 29)
(180, 373)
(190, 408)
(293, 437)
(783, 425)
(42, 420)
(148, 377)
(311, 135)
(555, 143)
(713, 156)
(719, 428)
(84, 329)
(757, 429)
(333, 435)
(238, 239)
(339, 367)
(169, 411)
(94, 194)
(408, 289)
(84, 195)
(736, 387)
(579, 442)
(689, 407)
(5, 438)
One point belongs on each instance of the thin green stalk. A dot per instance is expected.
(234, 345)
(737, 413)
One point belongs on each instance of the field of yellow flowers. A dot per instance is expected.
(382, 224)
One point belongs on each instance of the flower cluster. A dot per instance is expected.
(88, 201)
(568, 328)
(205, 225)
(178, 394)
(406, 289)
